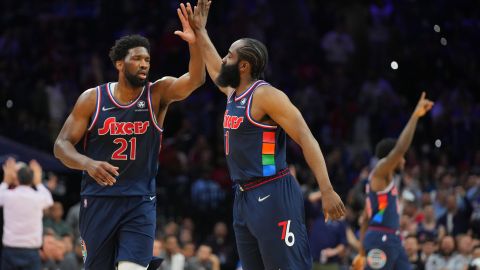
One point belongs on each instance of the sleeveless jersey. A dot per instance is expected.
(252, 149)
(382, 207)
(128, 137)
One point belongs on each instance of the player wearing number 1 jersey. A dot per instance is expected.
(268, 213)
(120, 124)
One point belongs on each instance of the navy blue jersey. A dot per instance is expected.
(126, 136)
(382, 207)
(252, 149)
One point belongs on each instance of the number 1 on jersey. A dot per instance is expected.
(119, 155)
(227, 147)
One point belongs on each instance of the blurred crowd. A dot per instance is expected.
(355, 70)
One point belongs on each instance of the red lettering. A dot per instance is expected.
(129, 128)
(237, 122)
(226, 118)
(112, 127)
(106, 126)
(231, 121)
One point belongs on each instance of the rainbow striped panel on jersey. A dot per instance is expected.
(382, 207)
(252, 149)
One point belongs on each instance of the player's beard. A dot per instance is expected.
(229, 76)
(134, 80)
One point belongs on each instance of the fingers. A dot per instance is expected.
(340, 210)
(191, 13)
(422, 97)
(34, 165)
(188, 10)
(111, 169)
(103, 174)
(104, 178)
(180, 15)
(179, 33)
(335, 213)
(184, 10)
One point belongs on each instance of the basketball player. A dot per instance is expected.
(121, 123)
(269, 220)
(381, 241)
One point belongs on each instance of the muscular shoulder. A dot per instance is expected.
(87, 102)
(162, 84)
(89, 95)
(267, 94)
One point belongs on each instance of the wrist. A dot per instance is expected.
(84, 163)
(325, 190)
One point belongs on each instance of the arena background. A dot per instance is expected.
(355, 69)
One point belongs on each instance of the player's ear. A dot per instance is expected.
(119, 65)
(244, 65)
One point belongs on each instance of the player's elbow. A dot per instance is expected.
(57, 148)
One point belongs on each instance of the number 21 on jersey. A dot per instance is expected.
(119, 154)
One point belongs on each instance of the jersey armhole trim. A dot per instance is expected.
(387, 189)
(97, 109)
(247, 111)
(150, 109)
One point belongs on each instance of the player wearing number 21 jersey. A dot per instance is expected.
(119, 125)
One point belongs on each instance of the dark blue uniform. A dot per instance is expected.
(269, 218)
(117, 223)
(382, 243)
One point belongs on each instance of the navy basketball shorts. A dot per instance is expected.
(117, 229)
(384, 250)
(269, 225)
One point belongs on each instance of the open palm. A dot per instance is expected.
(187, 33)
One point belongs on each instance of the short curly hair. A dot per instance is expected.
(122, 45)
(384, 147)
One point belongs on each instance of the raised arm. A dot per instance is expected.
(174, 89)
(198, 20)
(274, 103)
(386, 165)
(72, 132)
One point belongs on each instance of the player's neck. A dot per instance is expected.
(125, 92)
(243, 86)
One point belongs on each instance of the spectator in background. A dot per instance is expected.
(473, 196)
(328, 240)
(58, 252)
(464, 256)
(222, 245)
(475, 263)
(157, 247)
(412, 250)
(428, 224)
(443, 259)
(188, 251)
(428, 248)
(205, 260)
(23, 210)
(338, 45)
(72, 220)
(456, 220)
(174, 260)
